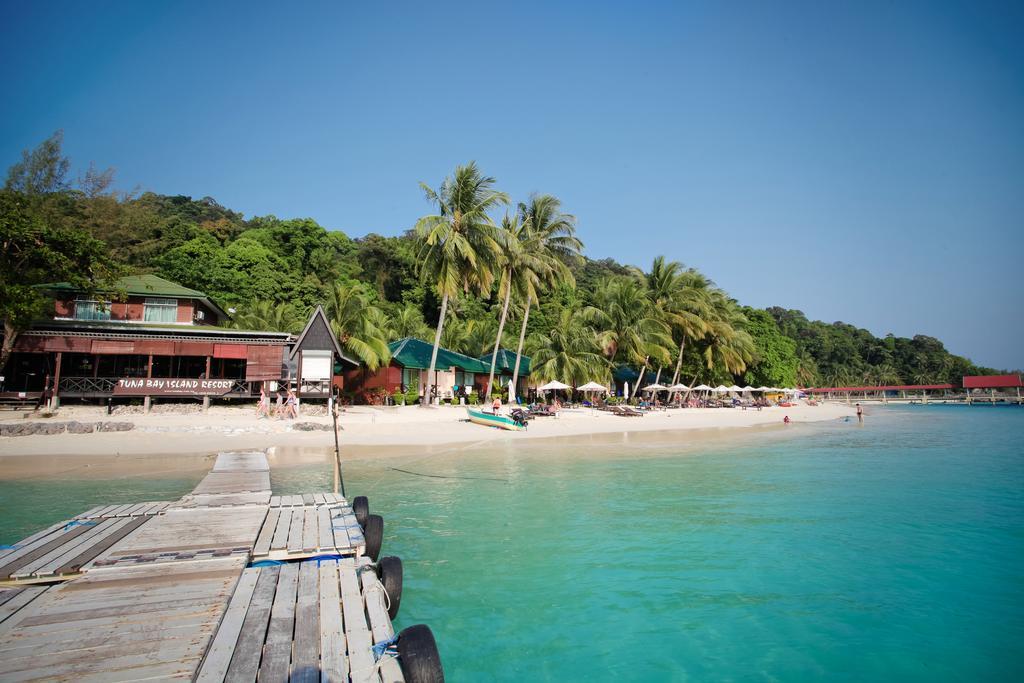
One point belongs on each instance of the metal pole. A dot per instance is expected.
(339, 480)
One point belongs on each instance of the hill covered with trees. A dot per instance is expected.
(584, 317)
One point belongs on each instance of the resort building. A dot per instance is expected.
(503, 367)
(317, 361)
(162, 339)
(455, 374)
(993, 388)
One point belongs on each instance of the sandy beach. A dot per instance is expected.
(365, 431)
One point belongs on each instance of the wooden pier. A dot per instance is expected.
(229, 583)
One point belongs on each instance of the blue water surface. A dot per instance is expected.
(889, 551)
(892, 551)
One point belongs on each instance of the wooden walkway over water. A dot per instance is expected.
(176, 590)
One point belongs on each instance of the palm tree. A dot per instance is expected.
(519, 271)
(267, 315)
(568, 352)
(357, 323)
(729, 346)
(408, 322)
(629, 328)
(680, 298)
(550, 238)
(458, 244)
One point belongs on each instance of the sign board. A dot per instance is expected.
(166, 386)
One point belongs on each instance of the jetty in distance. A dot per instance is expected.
(229, 583)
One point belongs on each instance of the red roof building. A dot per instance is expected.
(992, 381)
(884, 387)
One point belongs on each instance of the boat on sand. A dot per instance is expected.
(491, 420)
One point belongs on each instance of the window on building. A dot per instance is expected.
(90, 309)
(410, 376)
(160, 310)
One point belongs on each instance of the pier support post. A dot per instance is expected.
(206, 403)
(147, 403)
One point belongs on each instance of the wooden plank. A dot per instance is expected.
(72, 547)
(284, 523)
(295, 534)
(218, 658)
(90, 512)
(233, 482)
(325, 533)
(262, 546)
(75, 563)
(34, 538)
(22, 598)
(340, 528)
(241, 461)
(26, 555)
(275, 501)
(309, 530)
(306, 648)
(191, 531)
(245, 661)
(119, 510)
(277, 651)
(360, 654)
(333, 662)
(307, 499)
(376, 600)
(318, 498)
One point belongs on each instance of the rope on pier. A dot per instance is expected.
(78, 522)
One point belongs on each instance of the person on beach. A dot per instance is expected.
(263, 407)
(496, 405)
(860, 414)
(279, 409)
(785, 420)
(290, 405)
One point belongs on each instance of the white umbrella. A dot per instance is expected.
(625, 389)
(749, 388)
(593, 386)
(680, 387)
(655, 387)
(762, 389)
(721, 389)
(734, 388)
(553, 385)
(702, 387)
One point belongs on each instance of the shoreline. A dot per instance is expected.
(186, 442)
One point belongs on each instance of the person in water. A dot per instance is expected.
(785, 420)
(860, 414)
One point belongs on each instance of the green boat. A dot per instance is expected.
(490, 420)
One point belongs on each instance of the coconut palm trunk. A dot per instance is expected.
(519, 349)
(497, 342)
(431, 377)
(679, 365)
(640, 379)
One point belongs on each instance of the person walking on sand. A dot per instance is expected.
(289, 405)
(860, 414)
(279, 408)
(496, 405)
(263, 407)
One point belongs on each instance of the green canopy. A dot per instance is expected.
(415, 353)
(506, 361)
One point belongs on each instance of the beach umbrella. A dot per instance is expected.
(553, 385)
(702, 387)
(749, 388)
(721, 389)
(762, 389)
(655, 387)
(593, 386)
(625, 389)
(681, 387)
(734, 388)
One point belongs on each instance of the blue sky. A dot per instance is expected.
(858, 161)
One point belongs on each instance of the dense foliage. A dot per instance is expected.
(577, 317)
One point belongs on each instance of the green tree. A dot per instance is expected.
(568, 352)
(629, 328)
(549, 246)
(776, 361)
(268, 315)
(42, 171)
(458, 244)
(32, 254)
(357, 322)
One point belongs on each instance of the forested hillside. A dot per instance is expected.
(271, 270)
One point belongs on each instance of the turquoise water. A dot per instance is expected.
(893, 551)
